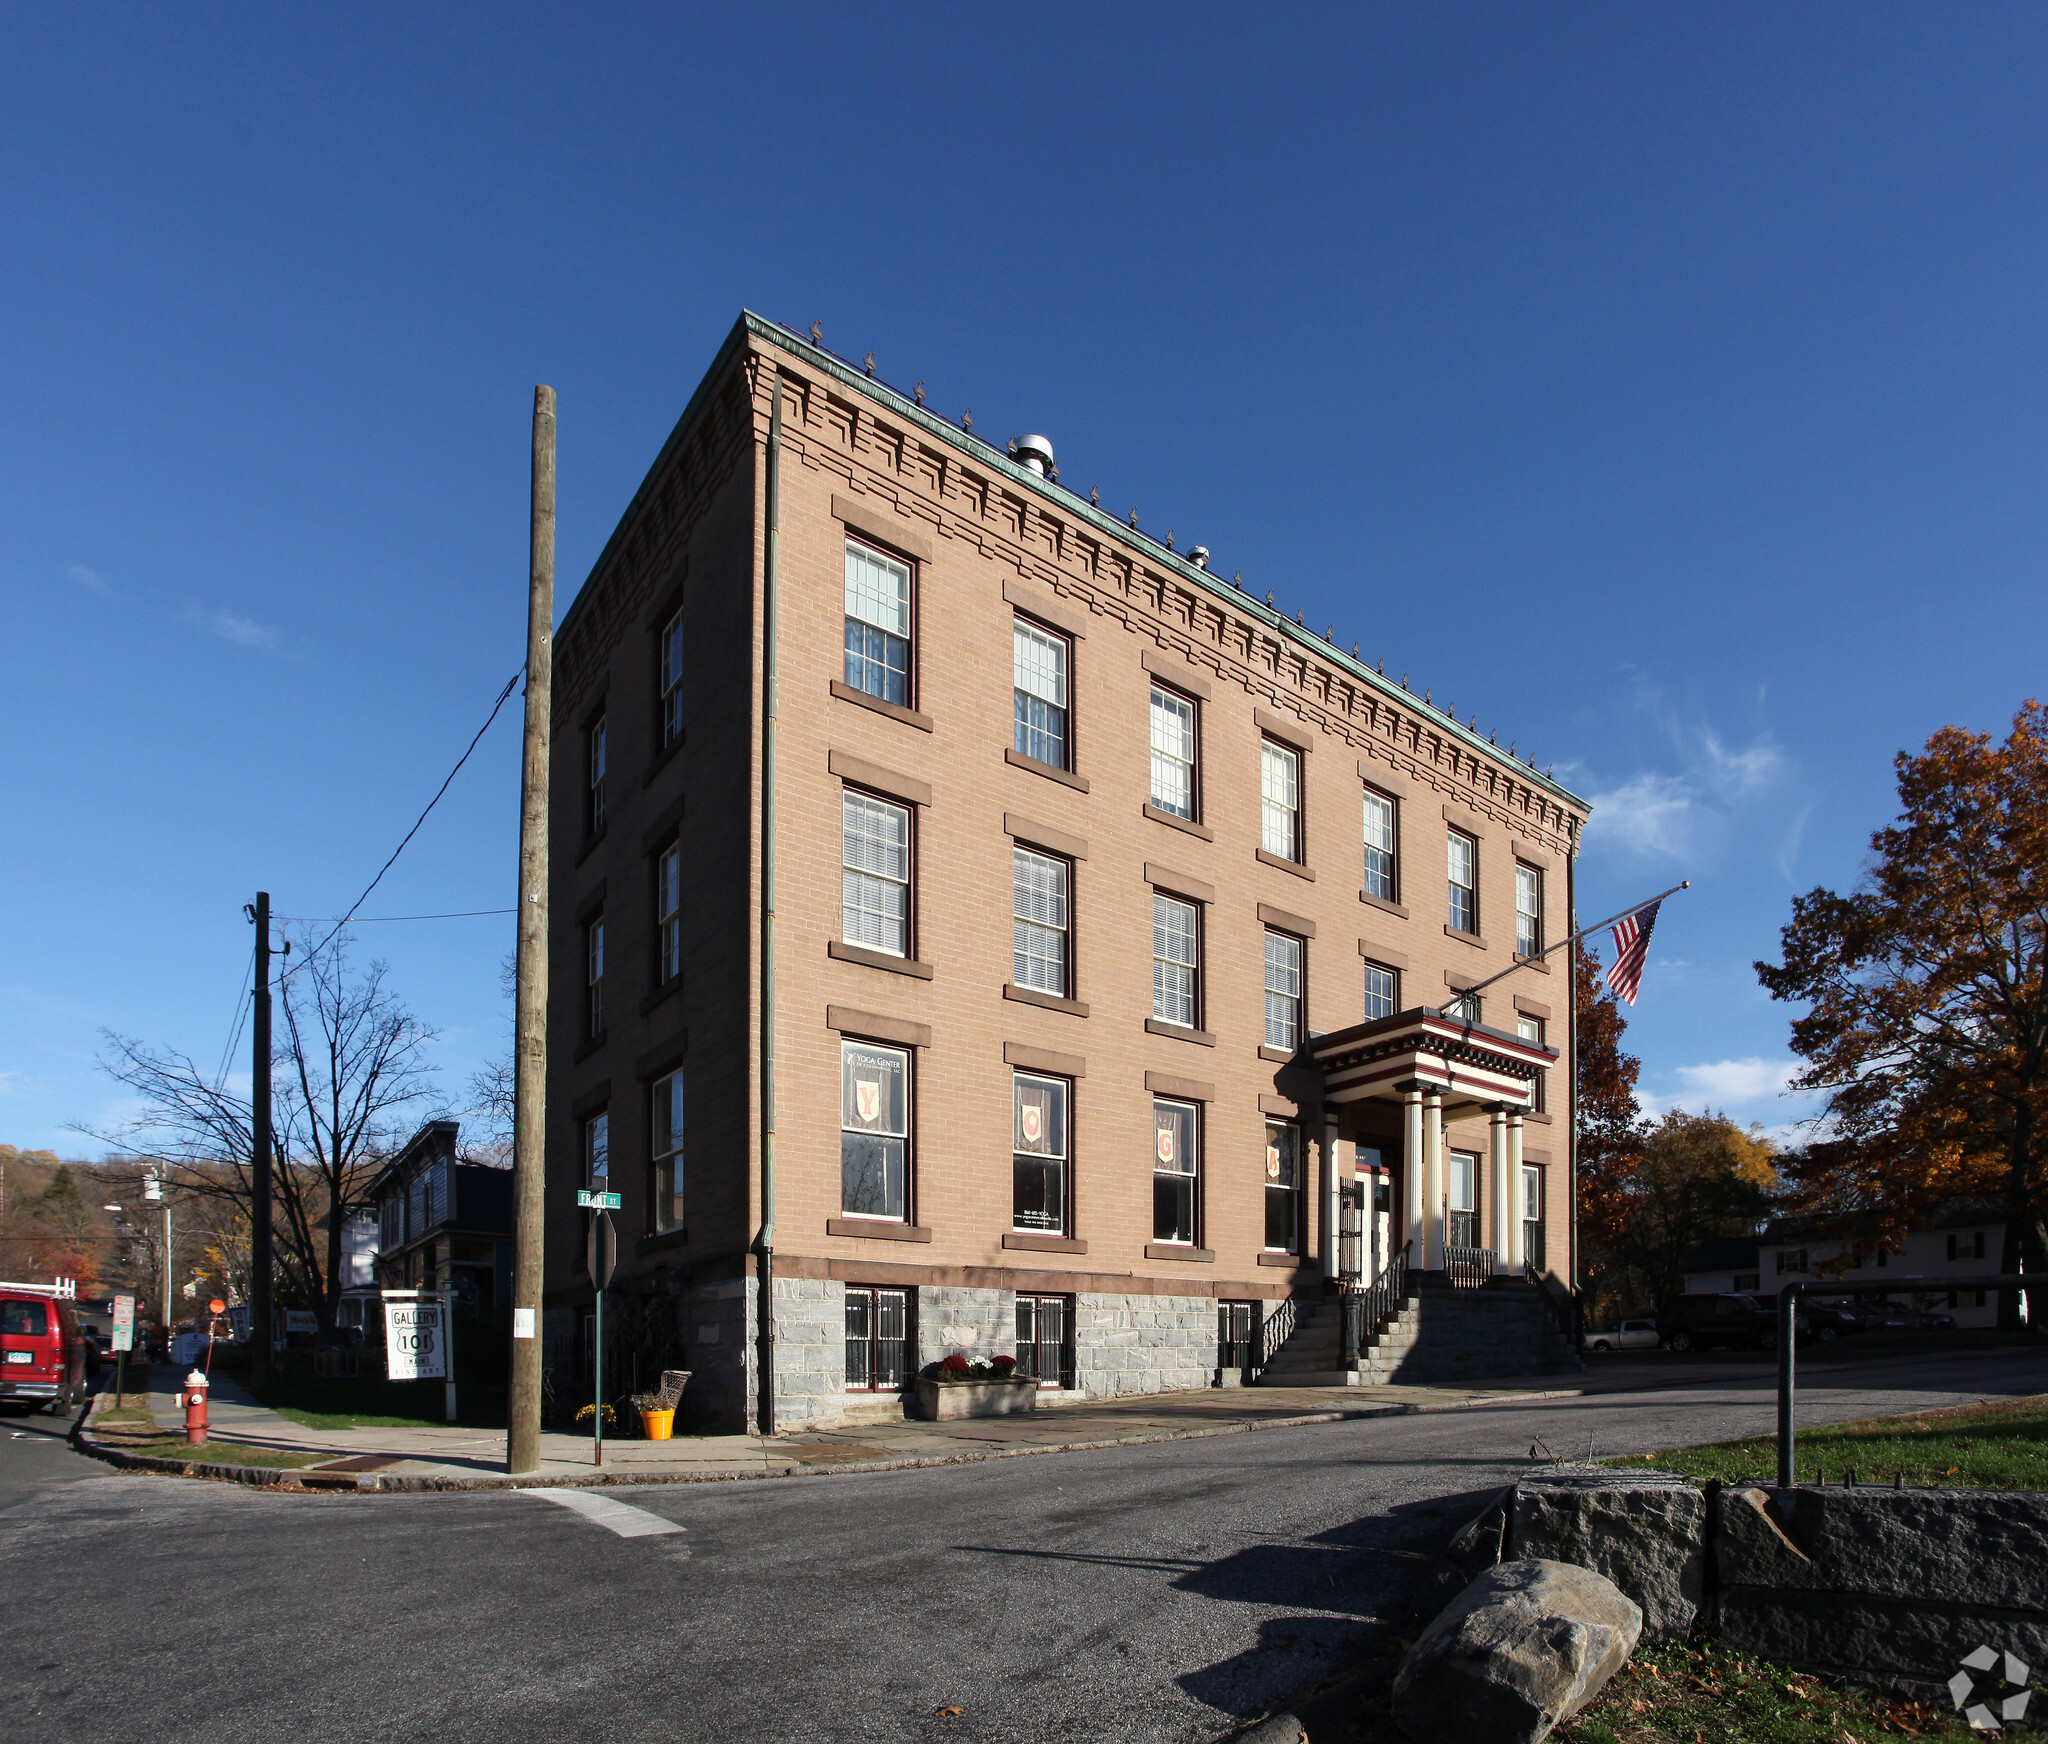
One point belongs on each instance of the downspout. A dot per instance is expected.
(765, 1357)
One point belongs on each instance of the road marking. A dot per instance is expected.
(620, 1517)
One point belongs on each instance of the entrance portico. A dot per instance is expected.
(1433, 1065)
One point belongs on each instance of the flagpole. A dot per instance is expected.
(1467, 992)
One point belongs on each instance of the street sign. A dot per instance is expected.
(216, 1306)
(597, 1201)
(601, 1250)
(415, 1338)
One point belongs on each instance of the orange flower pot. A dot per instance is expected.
(658, 1425)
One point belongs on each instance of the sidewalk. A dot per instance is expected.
(462, 1458)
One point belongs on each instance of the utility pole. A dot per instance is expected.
(530, 1042)
(260, 1147)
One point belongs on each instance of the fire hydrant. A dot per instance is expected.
(193, 1398)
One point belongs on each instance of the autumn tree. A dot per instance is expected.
(350, 1063)
(1926, 1019)
(1609, 1132)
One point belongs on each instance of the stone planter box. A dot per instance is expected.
(941, 1401)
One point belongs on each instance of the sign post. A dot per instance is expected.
(124, 1341)
(448, 1334)
(603, 1257)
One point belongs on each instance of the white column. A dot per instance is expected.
(1518, 1201)
(1433, 1188)
(1414, 1172)
(1499, 1195)
(1332, 1190)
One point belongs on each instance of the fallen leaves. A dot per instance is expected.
(947, 1713)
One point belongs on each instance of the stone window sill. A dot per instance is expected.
(591, 844)
(668, 1238)
(1294, 866)
(1051, 1002)
(1473, 939)
(878, 960)
(1279, 1259)
(1180, 1032)
(667, 990)
(1380, 902)
(1017, 760)
(662, 759)
(587, 1049)
(895, 711)
(1043, 1243)
(876, 1230)
(1536, 963)
(1279, 1056)
(1540, 1118)
(1179, 823)
(1166, 1250)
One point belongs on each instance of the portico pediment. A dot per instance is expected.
(1430, 1050)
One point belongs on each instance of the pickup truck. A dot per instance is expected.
(1629, 1335)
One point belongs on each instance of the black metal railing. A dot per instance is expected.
(1559, 1303)
(1468, 1267)
(1275, 1329)
(1368, 1312)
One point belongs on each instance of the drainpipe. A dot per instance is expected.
(765, 1357)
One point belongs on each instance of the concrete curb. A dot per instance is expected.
(293, 1481)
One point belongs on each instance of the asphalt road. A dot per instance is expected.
(1149, 1593)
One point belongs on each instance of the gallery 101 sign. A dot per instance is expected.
(415, 1340)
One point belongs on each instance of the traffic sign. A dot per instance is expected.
(216, 1306)
(597, 1201)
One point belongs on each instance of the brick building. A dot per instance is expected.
(1211, 1059)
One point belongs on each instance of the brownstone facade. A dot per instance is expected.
(944, 1250)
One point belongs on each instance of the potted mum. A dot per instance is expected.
(956, 1387)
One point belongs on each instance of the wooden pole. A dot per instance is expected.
(259, 1157)
(530, 1063)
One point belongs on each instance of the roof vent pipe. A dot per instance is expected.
(1198, 555)
(1034, 452)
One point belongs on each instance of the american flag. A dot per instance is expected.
(1632, 950)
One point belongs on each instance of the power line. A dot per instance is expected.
(242, 1007)
(373, 919)
(511, 684)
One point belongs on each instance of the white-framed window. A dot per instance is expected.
(1382, 992)
(1283, 990)
(1532, 1217)
(875, 874)
(668, 1152)
(1463, 865)
(1283, 1187)
(597, 763)
(1280, 800)
(1039, 665)
(593, 962)
(597, 1151)
(877, 1338)
(671, 670)
(1791, 1259)
(1530, 1029)
(1528, 910)
(1464, 1008)
(668, 913)
(1461, 1199)
(877, 624)
(874, 1130)
(1038, 1201)
(1379, 846)
(1176, 965)
(1966, 1245)
(1176, 1171)
(1173, 752)
(1039, 927)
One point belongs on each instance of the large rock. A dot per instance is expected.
(1520, 1650)
(1646, 1531)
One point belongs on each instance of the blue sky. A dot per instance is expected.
(1667, 384)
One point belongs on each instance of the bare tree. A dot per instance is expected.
(491, 1087)
(351, 1061)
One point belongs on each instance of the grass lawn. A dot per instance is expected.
(2001, 1446)
(379, 1404)
(1681, 1694)
(224, 1453)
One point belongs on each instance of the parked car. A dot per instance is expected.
(1629, 1335)
(42, 1351)
(1832, 1320)
(1705, 1322)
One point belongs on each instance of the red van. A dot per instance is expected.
(42, 1352)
